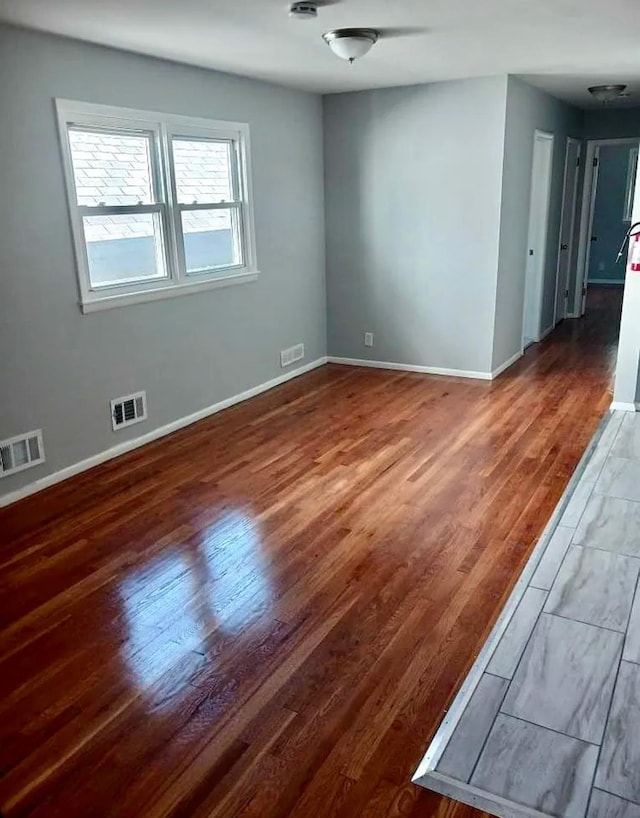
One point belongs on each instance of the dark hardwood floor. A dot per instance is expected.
(267, 614)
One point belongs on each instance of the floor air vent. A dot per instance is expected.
(21, 452)
(291, 355)
(128, 410)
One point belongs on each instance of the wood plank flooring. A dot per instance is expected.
(267, 614)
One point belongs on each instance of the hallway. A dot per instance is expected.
(268, 613)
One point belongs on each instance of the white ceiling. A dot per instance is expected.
(560, 45)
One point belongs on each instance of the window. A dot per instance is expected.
(160, 205)
(631, 185)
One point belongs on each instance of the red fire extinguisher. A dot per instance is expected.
(634, 253)
(633, 257)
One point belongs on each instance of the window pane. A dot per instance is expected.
(124, 249)
(211, 239)
(111, 169)
(203, 170)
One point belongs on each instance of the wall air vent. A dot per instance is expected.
(21, 452)
(291, 355)
(128, 410)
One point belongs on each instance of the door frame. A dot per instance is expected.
(548, 137)
(589, 192)
(572, 226)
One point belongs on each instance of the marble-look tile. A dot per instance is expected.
(566, 676)
(537, 768)
(514, 640)
(627, 442)
(620, 477)
(605, 805)
(610, 524)
(597, 460)
(463, 750)
(552, 558)
(619, 765)
(576, 505)
(631, 652)
(596, 587)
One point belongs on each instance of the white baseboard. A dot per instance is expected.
(155, 434)
(426, 370)
(545, 332)
(619, 406)
(510, 362)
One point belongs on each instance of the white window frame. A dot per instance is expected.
(162, 127)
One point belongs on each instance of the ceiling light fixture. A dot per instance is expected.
(607, 94)
(351, 43)
(304, 9)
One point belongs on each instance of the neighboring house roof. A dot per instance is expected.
(113, 169)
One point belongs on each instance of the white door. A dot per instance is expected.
(592, 210)
(537, 242)
(567, 226)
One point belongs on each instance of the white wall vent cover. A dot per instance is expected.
(128, 410)
(21, 452)
(291, 355)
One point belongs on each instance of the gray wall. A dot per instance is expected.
(413, 184)
(627, 383)
(59, 368)
(528, 109)
(608, 225)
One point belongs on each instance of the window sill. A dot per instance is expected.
(108, 302)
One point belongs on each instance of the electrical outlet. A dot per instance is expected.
(368, 339)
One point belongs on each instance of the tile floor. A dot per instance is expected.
(549, 719)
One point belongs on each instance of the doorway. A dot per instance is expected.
(567, 227)
(610, 171)
(541, 169)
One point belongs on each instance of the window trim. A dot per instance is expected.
(164, 127)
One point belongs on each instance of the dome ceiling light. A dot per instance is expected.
(606, 94)
(351, 43)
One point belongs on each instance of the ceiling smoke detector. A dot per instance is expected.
(606, 94)
(304, 9)
(351, 43)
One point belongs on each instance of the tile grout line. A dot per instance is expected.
(606, 721)
(587, 501)
(510, 680)
(588, 624)
(607, 453)
(615, 440)
(555, 576)
(615, 795)
(630, 661)
(486, 738)
(597, 548)
(550, 729)
(635, 557)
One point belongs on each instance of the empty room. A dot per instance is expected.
(319, 432)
